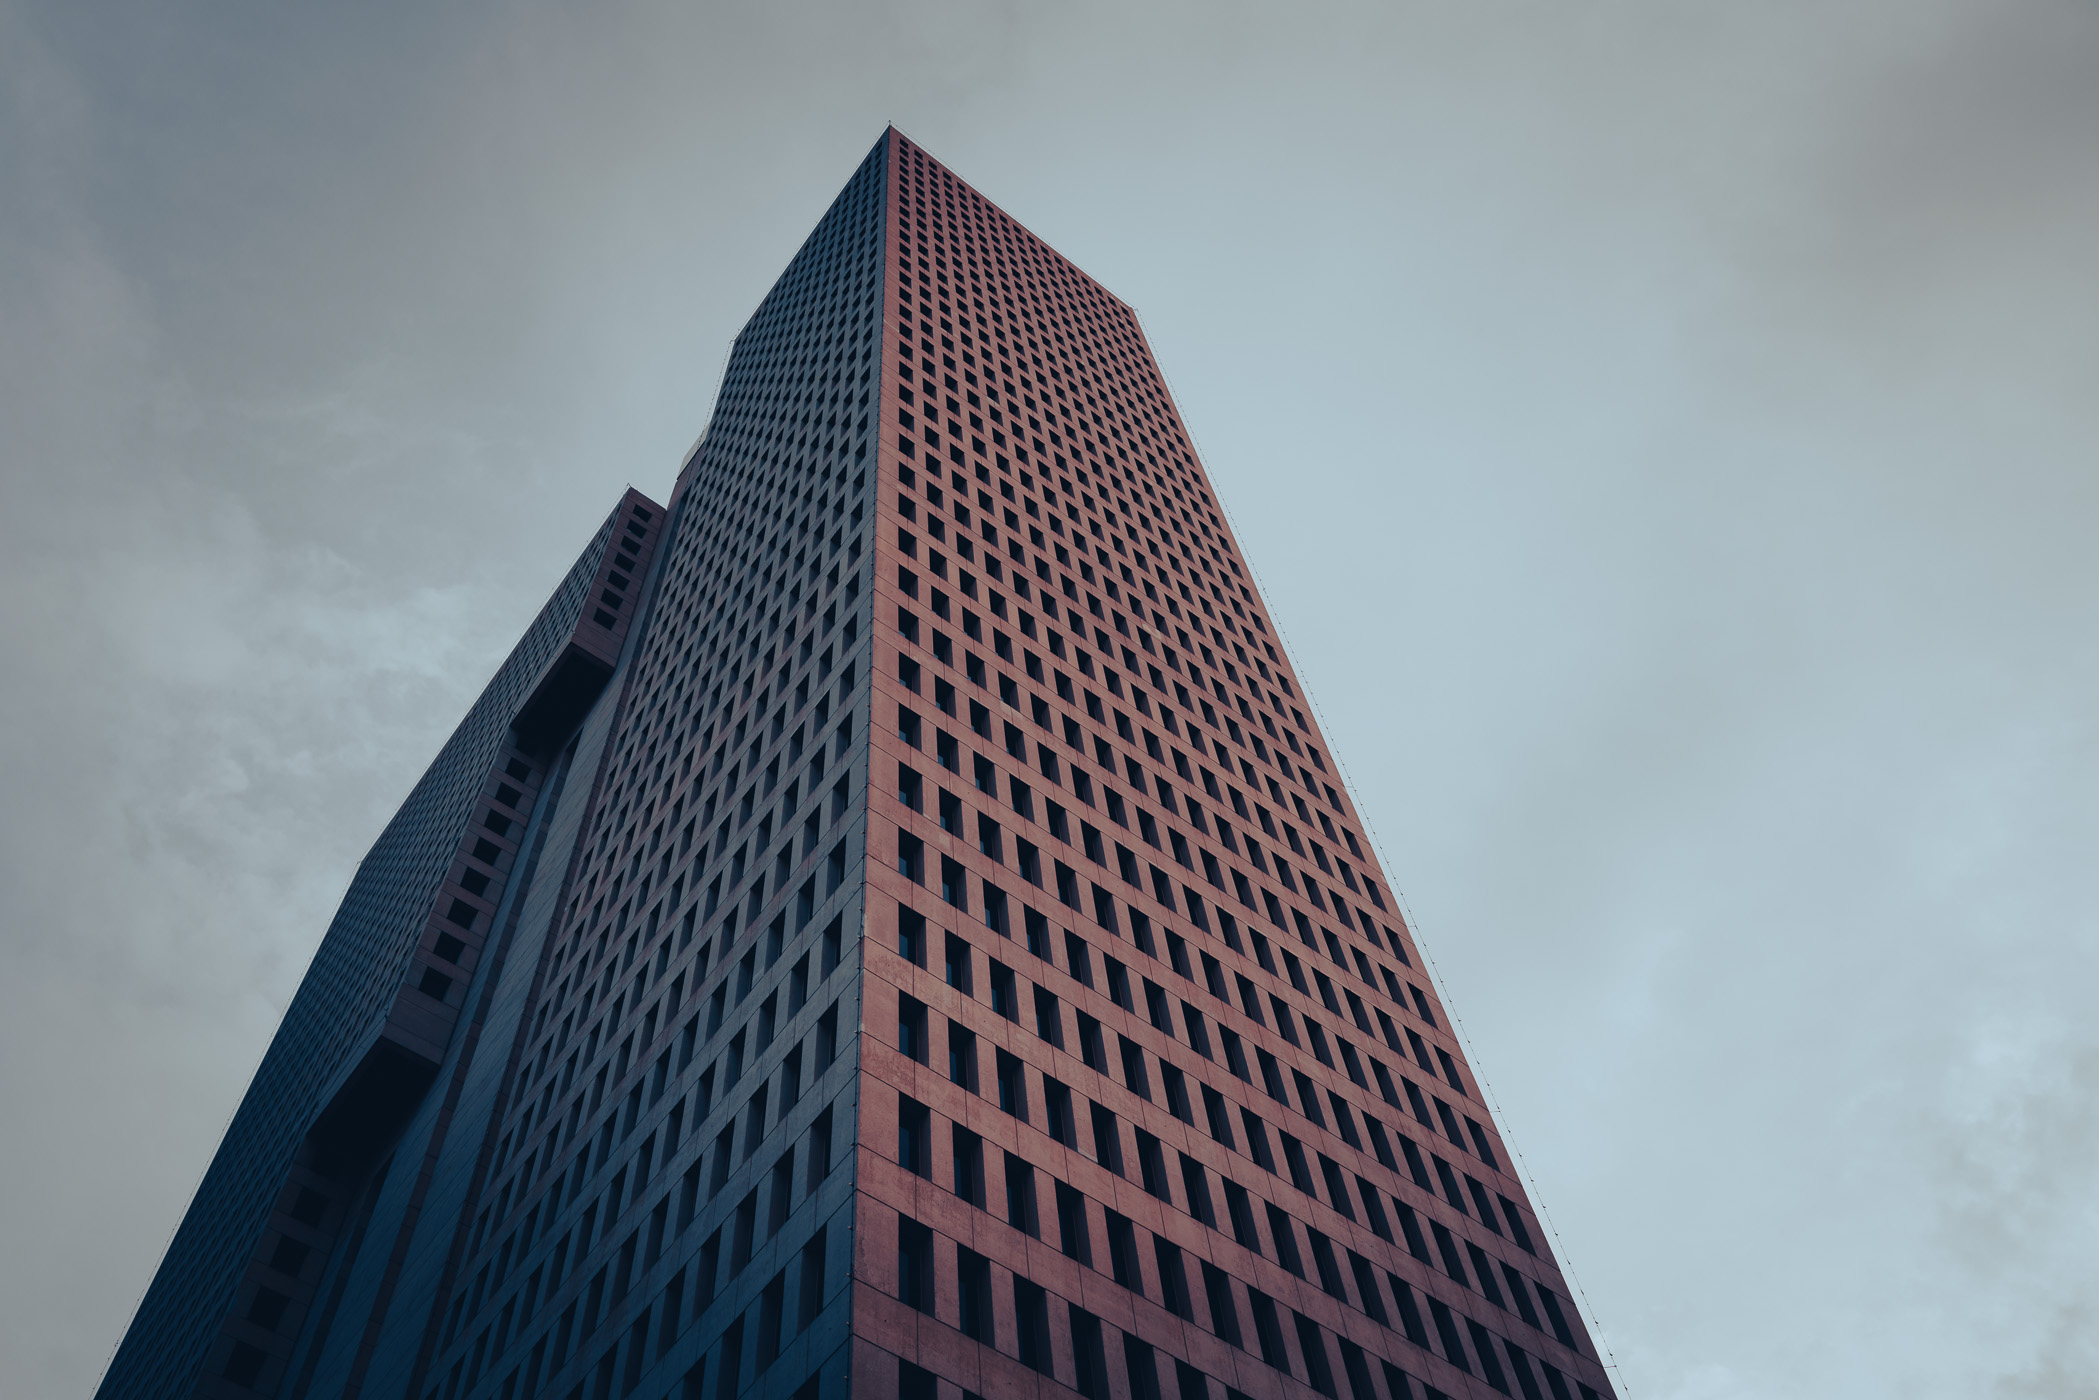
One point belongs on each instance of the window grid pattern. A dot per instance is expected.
(1231, 1086)
(661, 1199)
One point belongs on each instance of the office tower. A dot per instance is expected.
(892, 928)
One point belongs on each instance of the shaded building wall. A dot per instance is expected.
(665, 1204)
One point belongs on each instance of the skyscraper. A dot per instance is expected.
(891, 928)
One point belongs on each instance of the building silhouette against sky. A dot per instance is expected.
(893, 927)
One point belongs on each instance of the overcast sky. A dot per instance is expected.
(1666, 432)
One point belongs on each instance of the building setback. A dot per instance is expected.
(891, 928)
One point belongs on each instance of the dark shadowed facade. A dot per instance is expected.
(891, 928)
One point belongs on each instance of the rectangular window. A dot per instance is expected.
(1224, 1316)
(1056, 1107)
(1173, 1279)
(1031, 1321)
(973, 1284)
(1049, 1021)
(1516, 1230)
(1219, 1115)
(1090, 1052)
(812, 1290)
(1196, 1183)
(1300, 1173)
(1151, 1164)
(1285, 1233)
(1020, 1196)
(968, 1165)
(1012, 1086)
(914, 1264)
(911, 1028)
(1318, 1368)
(1107, 1139)
(1089, 1358)
(914, 1127)
(961, 1056)
(1268, 1330)
(1198, 1032)
(1367, 1288)
(1133, 1075)
(911, 938)
(1329, 1267)
(1447, 1329)
(1122, 1252)
(1073, 1236)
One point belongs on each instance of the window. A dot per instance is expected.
(968, 1165)
(1152, 1166)
(812, 1291)
(1056, 1109)
(911, 1028)
(1005, 999)
(1088, 1356)
(1133, 1076)
(819, 1157)
(1176, 1086)
(1107, 1139)
(1224, 1315)
(914, 1266)
(1268, 1330)
(1090, 1051)
(1173, 1280)
(973, 1283)
(1156, 1007)
(1049, 1021)
(1031, 1321)
(1317, 1366)
(914, 1149)
(1481, 1145)
(1078, 959)
(911, 938)
(961, 1056)
(1367, 1288)
(1073, 1236)
(1516, 1229)
(1323, 1259)
(1020, 1196)
(1119, 984)
(1198, 1033)
(1012, 1086)
(1219, 1117)
(1196, 1183)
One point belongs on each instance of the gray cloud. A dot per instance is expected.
(1666, 431)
